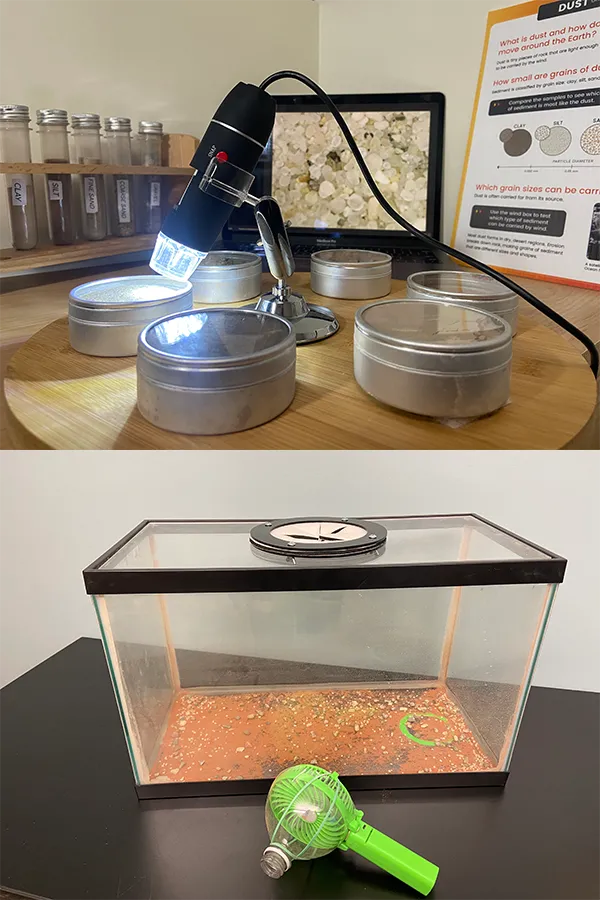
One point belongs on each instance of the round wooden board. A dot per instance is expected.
(63, 400)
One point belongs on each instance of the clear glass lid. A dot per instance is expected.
(432, 325)
(218, 336)
(460, 285)
(226, 544)
(131, 290)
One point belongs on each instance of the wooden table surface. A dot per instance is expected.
(60, 399)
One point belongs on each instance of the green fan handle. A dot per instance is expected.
(388, 854)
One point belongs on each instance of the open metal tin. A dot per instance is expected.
(106, 316)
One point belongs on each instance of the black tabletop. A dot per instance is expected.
(72, 826)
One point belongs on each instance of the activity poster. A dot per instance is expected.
(530, 194)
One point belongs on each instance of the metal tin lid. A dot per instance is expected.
(131, 298)
(14, 113)
(117, 123)
(456, 285)
(216, 337)
(52, 117)
(85, 120)
(226, 263)
(432, 326)
(216, 349)
(347, 263)
(150, 127)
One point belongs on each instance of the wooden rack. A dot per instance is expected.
(80, 169)
(13, 261)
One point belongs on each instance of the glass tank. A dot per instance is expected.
(397, 652)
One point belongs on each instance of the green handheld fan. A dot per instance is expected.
(309, 813)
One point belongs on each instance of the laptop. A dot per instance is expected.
(324, 199)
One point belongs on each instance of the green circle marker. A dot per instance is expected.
(404, 728)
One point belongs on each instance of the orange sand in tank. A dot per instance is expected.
(355, 732)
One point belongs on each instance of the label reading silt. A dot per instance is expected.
(55, 189)
(19, 192)
(123, 202)
(90, 192)
(155, 193)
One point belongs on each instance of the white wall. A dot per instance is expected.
(175, 59)
(58, 511)
(171, 60)
(410, 45)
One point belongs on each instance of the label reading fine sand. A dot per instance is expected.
(123, 204)
(55, 189)
(155, 193)
(19, 192)
(90, 191)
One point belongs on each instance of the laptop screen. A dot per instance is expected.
(310, 170)
(317, 183)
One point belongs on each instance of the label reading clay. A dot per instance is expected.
(19, 192)
(90, 193)
(123, 201)
(155, 193)
(55, 189)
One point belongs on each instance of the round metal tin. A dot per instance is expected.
(431, 358)
(227, 276)
(351, 274)
(215, 371)
(472, 289)
(106, 316)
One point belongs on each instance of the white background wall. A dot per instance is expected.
(171, 60)
(410, 45)
(59, 511)
(175, 59)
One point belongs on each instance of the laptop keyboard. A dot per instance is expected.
(405, 254)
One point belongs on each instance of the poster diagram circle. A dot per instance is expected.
(516, 142)
(554, 140)
(590, 140)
